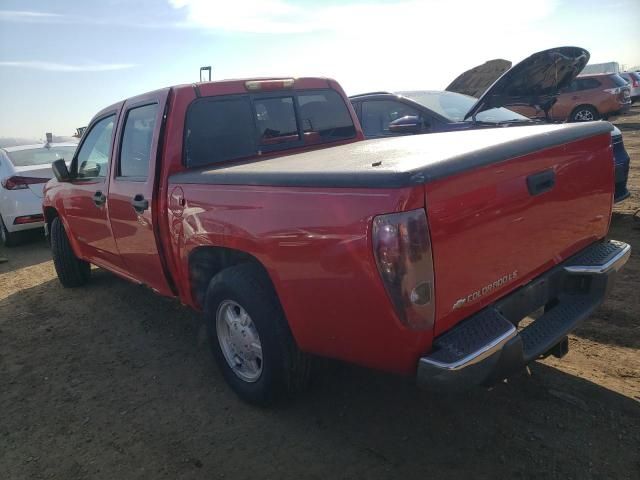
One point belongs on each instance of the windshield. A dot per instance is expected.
(40, 156)
(454, 106)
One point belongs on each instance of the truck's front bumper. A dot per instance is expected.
(489, 346)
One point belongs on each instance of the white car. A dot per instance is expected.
(634, 83)
(23, 172)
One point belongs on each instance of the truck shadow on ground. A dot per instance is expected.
(115, 378)
(616, 321)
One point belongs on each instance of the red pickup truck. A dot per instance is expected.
(418, 255)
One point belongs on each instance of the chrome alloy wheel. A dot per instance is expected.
(584, 116)
(239, 341)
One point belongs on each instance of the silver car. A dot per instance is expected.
(634, 83)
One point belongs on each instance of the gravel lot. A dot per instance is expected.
(112, 381)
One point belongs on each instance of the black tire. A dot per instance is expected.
(9, 239)
(72, 272)
(584, 113)
(285, 370)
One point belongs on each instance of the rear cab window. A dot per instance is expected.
(220, 129)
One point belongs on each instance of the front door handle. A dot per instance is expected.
(139, 203)
(99, 198)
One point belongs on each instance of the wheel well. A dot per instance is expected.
(49, 214)
(207, 262)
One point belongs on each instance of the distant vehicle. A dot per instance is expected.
(17, 141)
(634, 84)
(622, 163)
(384, 114)
(587, 98)
(606, 67)
(24, 170)
(591, 97)
(533, 83)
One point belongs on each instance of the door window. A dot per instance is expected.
(93, 157)
(378, 114)
(136, 142)
(586, 84)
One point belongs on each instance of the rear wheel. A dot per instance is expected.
(250, 337)
(9, 239)
(72, 271)
(584, 113)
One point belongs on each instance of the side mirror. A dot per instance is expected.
(408, 124)
(60, 170)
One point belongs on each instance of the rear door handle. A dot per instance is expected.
(99, 198)
(541, 182)
(139, 203)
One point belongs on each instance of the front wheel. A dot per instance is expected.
(250, 337)
(584, 113)
(72, 271)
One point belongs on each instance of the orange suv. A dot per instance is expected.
(588, 97)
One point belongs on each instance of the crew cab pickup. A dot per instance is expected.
(259, 203)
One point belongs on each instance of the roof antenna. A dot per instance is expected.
(49, 140)
(207, 71)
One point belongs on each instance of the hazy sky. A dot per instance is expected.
(62, 61)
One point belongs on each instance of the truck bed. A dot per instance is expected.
(394, 162)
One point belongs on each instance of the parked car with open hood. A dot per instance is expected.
(533, 84)
(24, 170)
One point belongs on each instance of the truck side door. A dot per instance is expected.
(86, 211)
(132, 199)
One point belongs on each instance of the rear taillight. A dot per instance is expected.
(38, 217)
(18, 183)
(402, 249)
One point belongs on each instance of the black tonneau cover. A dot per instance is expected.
(394, 162)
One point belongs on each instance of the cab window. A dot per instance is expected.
(136, 142)
(93, 156)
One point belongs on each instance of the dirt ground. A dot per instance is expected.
(112, 381)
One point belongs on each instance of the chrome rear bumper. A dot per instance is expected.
(488, 346)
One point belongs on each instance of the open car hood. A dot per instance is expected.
(475, 82)
(535, 81)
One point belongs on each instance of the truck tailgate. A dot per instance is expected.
(496, 227)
